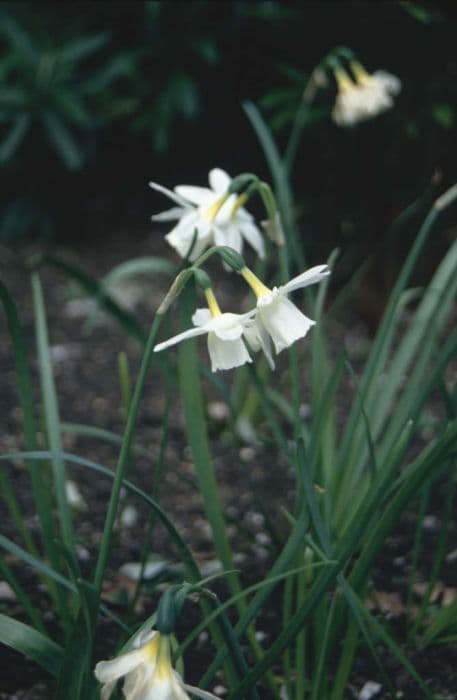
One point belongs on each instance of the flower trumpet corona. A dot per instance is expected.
(276, 315)
(147, 672)
(209, 215)
(225, 334)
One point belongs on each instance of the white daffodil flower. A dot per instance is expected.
(225, 335)
(276, 314)
(147, 672)
(209, 215)
(368, 96)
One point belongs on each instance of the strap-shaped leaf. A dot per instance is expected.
(31, 643)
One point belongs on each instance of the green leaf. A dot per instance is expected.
(82, 47)
(139, 266)
(14, 137)
(425, 15)
(31, 643)
(63, 140)
(51, 409)
(96, 289)
(444, 115)
(19, 39)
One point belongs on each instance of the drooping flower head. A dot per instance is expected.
(276, 315)
(147, 672)
(365, 97)
(225, 334)
(207, 216)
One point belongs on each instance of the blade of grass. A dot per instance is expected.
(30, 643)
(384, 335)
(51, 411)
(41, 494)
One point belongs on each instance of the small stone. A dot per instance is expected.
(6, 592)
(369, 690)
(218, 411)
(247, 454)
(129, 516)
(451, 557)
(431, 523)
(74, 497)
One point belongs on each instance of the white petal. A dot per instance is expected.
(191, 333)
(226, 354)
(229, 326)
(200, 693)
(196, 195)
(284, 322)
(136, 684)
(258, 339)
(219, 180)
(390, 82)
(169, 193)
(170, 214)
(228, 236)
(201, 317)
(253, 236)
(182, 235)
(107, 690)
(108, 671)
(311, 276)
(224, 215)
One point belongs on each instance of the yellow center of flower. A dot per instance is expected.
(164, 668)
(240, 200)
(212, 303)
(257, 286)
(151, 649)
(212, 211)
(343, 80)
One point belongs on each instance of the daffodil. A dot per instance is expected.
(147, 672)
(225, 334)
(276, 315)
(364, 98)
(207, 216)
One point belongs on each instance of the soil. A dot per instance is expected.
(85, 346)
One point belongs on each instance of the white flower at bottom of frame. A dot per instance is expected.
(225, 337)
(276, 314)
(147, 672)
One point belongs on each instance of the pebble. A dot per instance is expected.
(369, 690)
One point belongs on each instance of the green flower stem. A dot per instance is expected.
(157, 478)
(280, 179)
(124, 455)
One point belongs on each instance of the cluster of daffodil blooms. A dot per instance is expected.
(274, 321)
(209, 216)
(362, 95)
(217, 216)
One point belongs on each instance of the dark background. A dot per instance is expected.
(172, 110)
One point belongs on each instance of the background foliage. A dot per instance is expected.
(154, 89)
